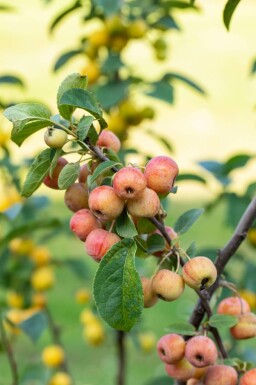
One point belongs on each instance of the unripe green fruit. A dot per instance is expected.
(98, 243)
(105, 204)
(55, 137)
(199, 273)
(129, 183)
(147, 205)
(76, 197)
(201, 351)
(220, 375)
(167, 285)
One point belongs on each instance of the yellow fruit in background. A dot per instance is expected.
(117, 125)
(147, 341)
(53, 356)
(87, 316)
(249, 296)
(115, 26)
(252, 236)
(21, 246)
(92, 71)
(60, 378)
(83, 296)
(117, 43)
(130, 112)
(4, 137)
(94, 333)
(39, 300)
(98, 38)
(40, 255)
(42, 278)
(15, 299)
(137, 29)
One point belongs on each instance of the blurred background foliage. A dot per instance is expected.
(172, 81)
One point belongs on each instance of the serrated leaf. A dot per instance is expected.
(191, 250)
(186, 220)
(27, 118)
(229, 10)
(125, 227)
(184, 328)
(117, 287)
(74, 80)
(65, 57)
(37, 172)
(222, 321)
(80, 98)
(54, 161)
(34, 325)
(84, 126)
(189, 176)
(155, 242)
(101, 168)
(68, 175)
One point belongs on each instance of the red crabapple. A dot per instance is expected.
(245, 328)
(147, 205)
(53, 182)
(233, 306)
(199, 272)
(109, 140)
(83, 222)
(167, 285)
(160, 173)
(249, 378)
(181, 370)
(105, 204)
(129, 183)
(201, 351)
(83, 174)
(99, 242)
(76, 197)
(171, 348)
(220, 375)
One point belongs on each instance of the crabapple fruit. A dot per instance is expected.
(245, 328)
(55, 137)
(109, 140)
(105, 204)
(233, 306)
(53, 356)
(147, 205)
(160, 173)
(52, 182)
(150, 297)
(220, 375)
(249, 378)
(99, 242)
(129, 183)
(83, 174)
(168, 285)
(76, 197)
(181, 370)
(171, 348)
(83, 222)
(199, 273)
(201, 351)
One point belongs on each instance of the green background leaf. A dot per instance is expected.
(222, 321)
(229, 10)
(34, 325)
(186, 220)
(68, 175)
(184, 328)
(125, 226)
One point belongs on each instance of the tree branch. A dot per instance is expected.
(121, 353)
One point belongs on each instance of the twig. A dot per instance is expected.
(10, 353)
(121, 353)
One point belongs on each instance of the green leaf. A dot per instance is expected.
(117, 287)
(236, 206)
(109, 7)
(184, 328)
(112, 93)
(165, 23)
(222, 321)
(186, 220)
(191, 250)
(190, 176)
(80, 98)
(78, 267)
(161, 139)
(34, 325)
(60, 17)
(34, 374)
(174, 76)
(10, 79)
(155, 243)
(84, 126)
(112, 64)
(101, 168)
(253, 68)
(236, 161)
(65, 57)
(27, 118)
(125, 226)
(37, 172)
(144, 226)
(74, 80)
(54, 161)
(229, 10)
(163, 91)
(68, 175)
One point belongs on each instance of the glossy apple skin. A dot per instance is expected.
(53, 182)
(181, 371)
(109, 140)
(150, 298)
(105, 204)
(160, 173)
(233, 306)
(99, 242)
(220, 375)
(168, 285)
(199, 272)
(245, 328)
(147, 205)
(171, 348)
(201, 351)
(249, 378)
(55, 137)
(129, 183)
(83, 222)
(76, 197)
